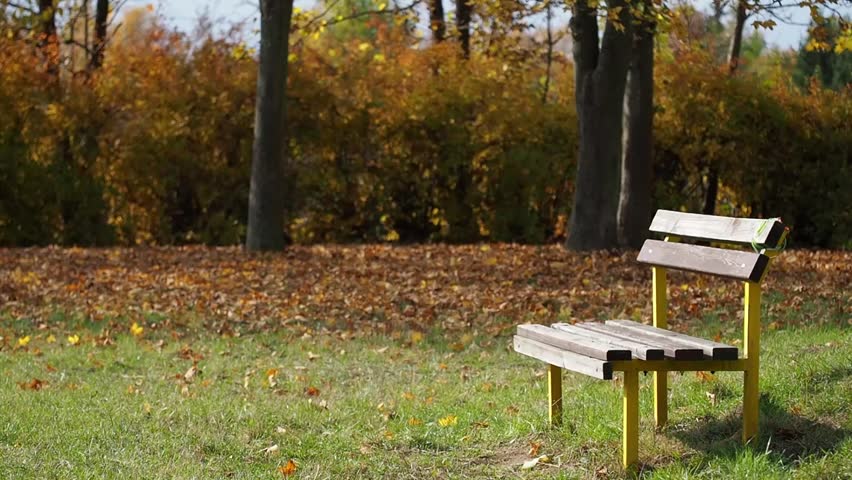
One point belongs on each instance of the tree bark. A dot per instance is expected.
(737, 36)
(436, 20)
(712, 191)
(601, 79)
(634, 207)
(101, 18)
(269, 156)
(464, 12)
(47, 41)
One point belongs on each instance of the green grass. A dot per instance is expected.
(122, 411)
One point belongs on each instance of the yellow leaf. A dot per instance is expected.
(364, 47)
(24, 341)
(74, 339)
(136, 330)
(51, 339)
(416, 337)
(292, 58)
(415, 422)
(448, 421)
(379, 58)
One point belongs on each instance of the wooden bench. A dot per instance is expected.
(600, 349)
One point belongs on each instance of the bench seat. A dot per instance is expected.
(594, 348)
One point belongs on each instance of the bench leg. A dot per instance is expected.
(661, 399)
(660, 310)
(630, 440)
(751, 399)
(554, 394)
(751, 394)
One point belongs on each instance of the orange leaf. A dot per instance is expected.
(288, 469)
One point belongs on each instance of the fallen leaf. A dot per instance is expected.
(73, 340)
(190, 374)
(448, 421)
(271, 449)
(712, 398)
(136, 330)
(34, 384)
(530, 464)
(534, 448)
(288, 469)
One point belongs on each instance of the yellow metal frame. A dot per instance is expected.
(554, 395)
(749, 365)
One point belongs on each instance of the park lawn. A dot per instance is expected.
(399, 406)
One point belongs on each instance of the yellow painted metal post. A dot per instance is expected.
(630, 434)
(554, 394)
(751, 342)
(660, 310)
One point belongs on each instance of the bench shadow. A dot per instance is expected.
(792, 437)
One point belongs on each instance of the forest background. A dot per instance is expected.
(118, 128)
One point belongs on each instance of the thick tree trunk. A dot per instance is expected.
(436, 20)
(101, 17)
(600, 103)
(634, 207)
(269, 156)
(464, 12)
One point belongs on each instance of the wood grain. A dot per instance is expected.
(584, 345)
(568, 360)
(639, 350)
(672, 349)
(741, 231)
(734, 264)
(714, 350)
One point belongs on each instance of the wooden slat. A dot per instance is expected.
(742, 231)
(641, 351)
(714, 350)
(672, 349)
(561, 358)
(738, 265)
(574, 343)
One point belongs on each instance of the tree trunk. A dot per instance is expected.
(464, 11)
(47, 41)
(634, 207)
(269, 156)
(601, 79)
(712, 191)
(436, 20)
(101, 17)
(737, 36)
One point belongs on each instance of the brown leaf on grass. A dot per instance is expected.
(312, 391)
(34, 384)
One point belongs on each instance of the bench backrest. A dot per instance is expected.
(750, 266)
(741, 231)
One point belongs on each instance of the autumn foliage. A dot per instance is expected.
(388, 142)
